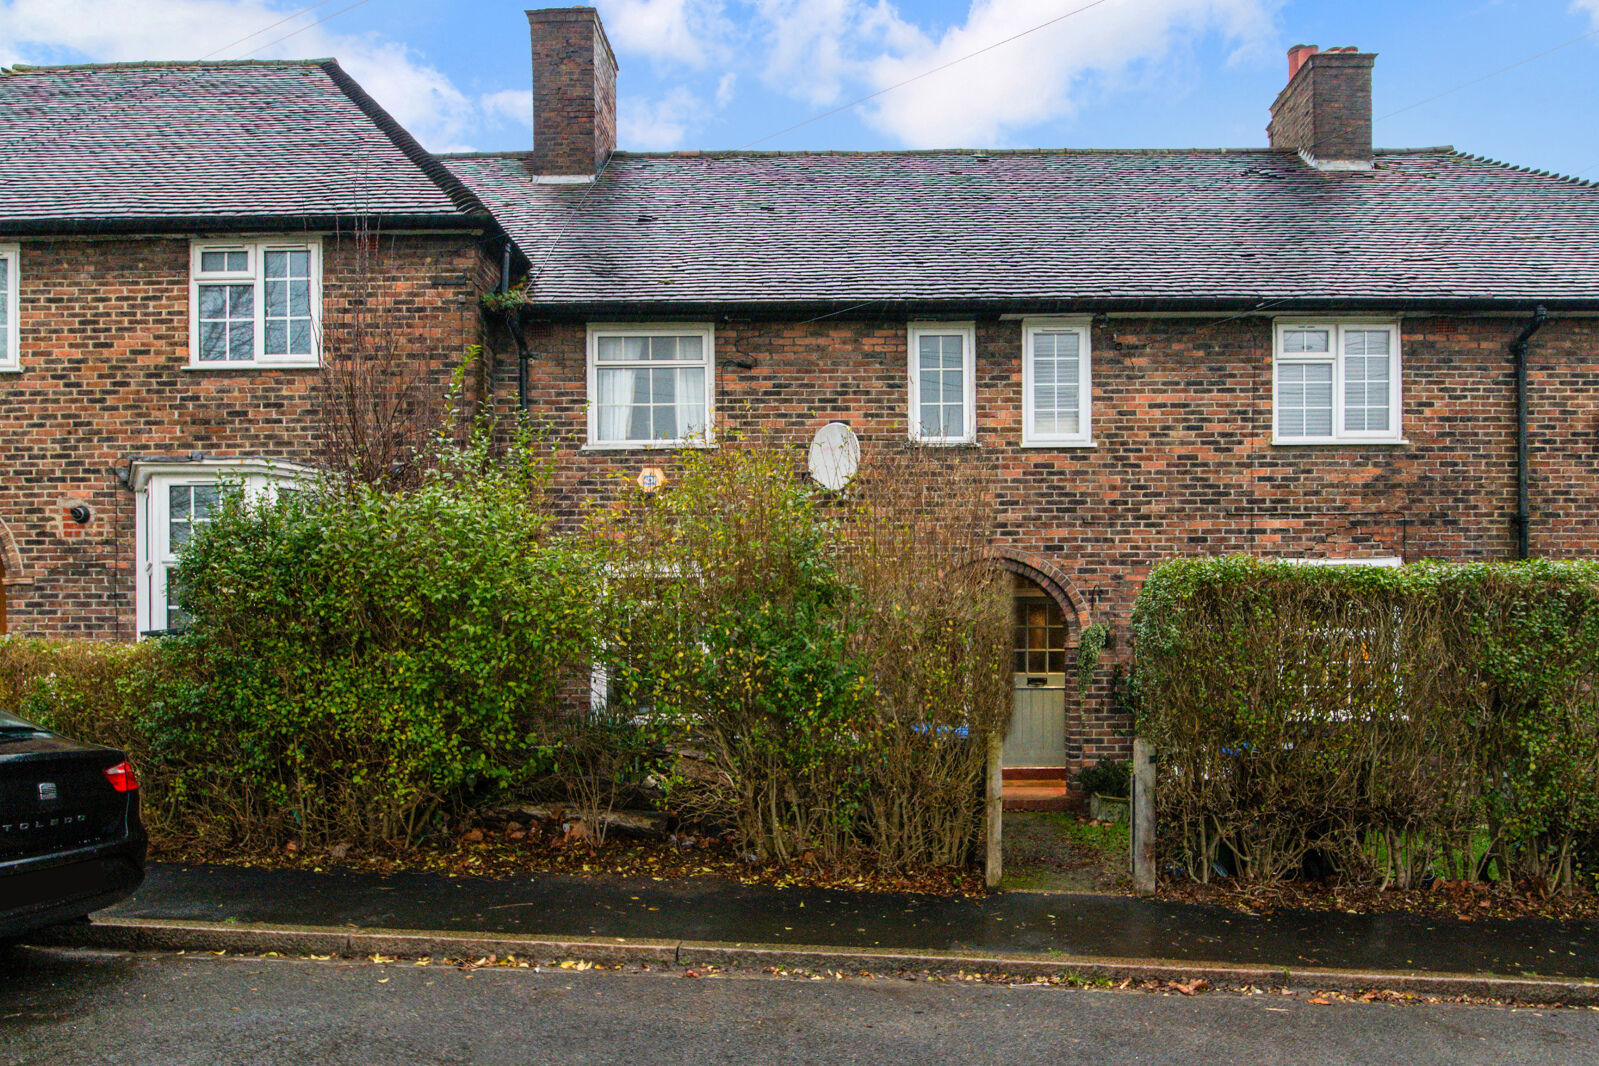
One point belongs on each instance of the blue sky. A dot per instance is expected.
(724, 73)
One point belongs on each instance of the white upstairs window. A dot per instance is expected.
(650, 386)
(255, 303)
(1336, 382)
(1056, 391)
(10, 284)
(943, 387)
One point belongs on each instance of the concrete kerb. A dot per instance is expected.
(137, 934)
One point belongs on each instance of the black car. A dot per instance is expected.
(70, 837)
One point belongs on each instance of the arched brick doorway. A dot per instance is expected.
(1049, 617)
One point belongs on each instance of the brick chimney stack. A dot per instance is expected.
(574, 92)
(1324, 112)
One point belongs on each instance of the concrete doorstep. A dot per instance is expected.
(255, 938)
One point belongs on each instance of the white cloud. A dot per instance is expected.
(658, 125)
(421, 98)
(1590, 6)
(514, 106)
(725, 88)
(681, 31)
(825, 50)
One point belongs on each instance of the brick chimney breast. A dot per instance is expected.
(574, 92)
(1324, 112)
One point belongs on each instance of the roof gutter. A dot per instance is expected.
(885, 307)
(184, 224)
(1518, 348)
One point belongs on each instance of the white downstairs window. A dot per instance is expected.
(1336, 382)
(650, 386)
(943, 385)
(174, 502)
(255, 303)
(10, 284)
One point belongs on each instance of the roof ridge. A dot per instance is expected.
(1571, 179)
(158, 64)
(463, 198)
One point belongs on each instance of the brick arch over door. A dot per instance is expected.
(11, 572)
(1047, 576)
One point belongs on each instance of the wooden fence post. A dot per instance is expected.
(1143, 820)
(994, 814)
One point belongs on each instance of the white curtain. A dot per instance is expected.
(616, 402)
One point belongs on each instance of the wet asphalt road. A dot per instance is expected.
(61, 1007)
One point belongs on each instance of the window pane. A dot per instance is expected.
(241, 341)
(177, 617)
(275, 340)
(1056, 370)
(1304, 399)
(1306, 340)
(619, 349)
(178, 503)
(238, 261)
(213, 301)
(287, 310)
(1366, 390)
(213, 341)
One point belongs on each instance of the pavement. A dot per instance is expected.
(86, 1006)
(609, 917)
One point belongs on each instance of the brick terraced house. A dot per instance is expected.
(1314, 350)
(179, 245)
(1303, 351)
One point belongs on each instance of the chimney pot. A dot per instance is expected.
(574, 92)
(1297, 56)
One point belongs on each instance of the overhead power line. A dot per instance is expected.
(264, 29)
(1485, 77)
(925, 74)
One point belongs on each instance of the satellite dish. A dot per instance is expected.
(835, 455)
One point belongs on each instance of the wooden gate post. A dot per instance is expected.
(1143, 820)
(994, 814)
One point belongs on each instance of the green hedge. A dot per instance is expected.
(370, 658)
(1387, 724)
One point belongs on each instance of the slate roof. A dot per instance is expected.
(1047, 230)
(171, 145)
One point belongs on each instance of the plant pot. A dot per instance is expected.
(1109, 808)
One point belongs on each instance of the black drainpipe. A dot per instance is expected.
(513, 325)
(1518, 348)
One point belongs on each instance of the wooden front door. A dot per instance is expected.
(1037, 734)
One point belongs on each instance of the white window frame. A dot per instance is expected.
(11, 255)
(1084, 437)
(255, 248)
(1335, 327)
(707, 334)
(151, 482)
(968, 334)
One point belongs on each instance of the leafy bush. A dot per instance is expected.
(1107, 777)
(371, 657)
(822, 670)
(1372, 720)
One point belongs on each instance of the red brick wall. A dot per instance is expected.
(1184, 463)
(105, 354)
